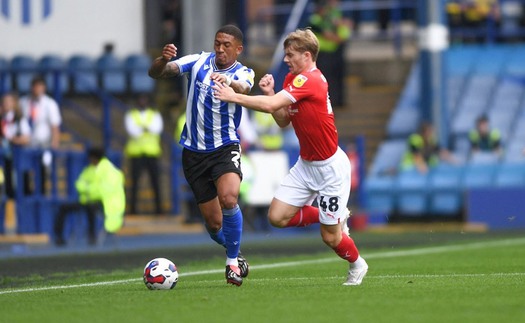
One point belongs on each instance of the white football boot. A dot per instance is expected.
(356, 273)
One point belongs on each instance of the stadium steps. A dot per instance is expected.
(366, 113)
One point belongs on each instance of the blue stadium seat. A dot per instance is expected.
(459, 60)
(515, 66)
(519, 131)
(478, 176)
(462, 146)
(138, 66)
(403, 122)
(483, 158)
(491, 60)
(379, 194)
(503, 121)
(510, 87)
(24, 68)
(445, 190)
(388, 157)
(514, 152)
(505, 103)
(53, 66)
(83, 74)
(464, 122)
(112, 74)
(411, 193)
(510, 175)
(5, 76)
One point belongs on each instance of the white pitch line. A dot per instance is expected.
(377, 255)
(489, 275)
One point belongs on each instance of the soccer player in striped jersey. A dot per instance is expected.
(323, 169)
(211, 152)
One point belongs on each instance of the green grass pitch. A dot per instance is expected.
(479, 280)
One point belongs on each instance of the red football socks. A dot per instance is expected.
(346, 249)
(304, 217)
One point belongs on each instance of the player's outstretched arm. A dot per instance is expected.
(237, 86)
(263, 103)
(162, 67)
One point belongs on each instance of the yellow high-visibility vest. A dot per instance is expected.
(270, 135)
(148, 143)
(110, 182)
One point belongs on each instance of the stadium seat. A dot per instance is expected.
(379, 194)
(83, 74)
(507, 104)
(388, 157)
(491, 60)
(411, 193)
(519, 130)
(445, 193)
(510, 175)
(515, 66)
(52, 66)
(137, 66)
(478, 176)
(5, 76)
(459, 60)
(464, 122)
(403, 122)
(514, 152)
(112, 74)
(503, 121)
(483, 158)
(24, 68)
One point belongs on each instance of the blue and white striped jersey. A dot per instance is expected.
(210, 123)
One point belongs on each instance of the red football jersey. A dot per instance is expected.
(311, 114)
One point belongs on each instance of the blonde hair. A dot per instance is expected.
(303, 40)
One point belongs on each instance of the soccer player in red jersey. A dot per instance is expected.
(323, 169)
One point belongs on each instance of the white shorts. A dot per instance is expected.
(328, 180)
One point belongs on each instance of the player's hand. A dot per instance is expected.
(169, 51)
(267, 84)
(223, 92)
(220, 78)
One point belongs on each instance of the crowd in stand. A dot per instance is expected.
(505, 18)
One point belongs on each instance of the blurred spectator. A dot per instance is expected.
(15, 131)
(477, 13)
(454, 13)
(483, 138)
(44, 117)
(269, 133)
(144, 126)
(43, 114)
(424, 151)
(512, 13)
(100, 188)
(332, 31)
(172, 22)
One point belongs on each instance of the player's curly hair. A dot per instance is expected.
(231, 30)
(303, 40)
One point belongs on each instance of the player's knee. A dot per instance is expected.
(228, 201)
(213, 223)
(331, 239)
(277, 220)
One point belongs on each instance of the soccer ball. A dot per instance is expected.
(160, 273)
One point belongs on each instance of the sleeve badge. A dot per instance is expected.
(299, 80)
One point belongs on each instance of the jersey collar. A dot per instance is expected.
(215, 68)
